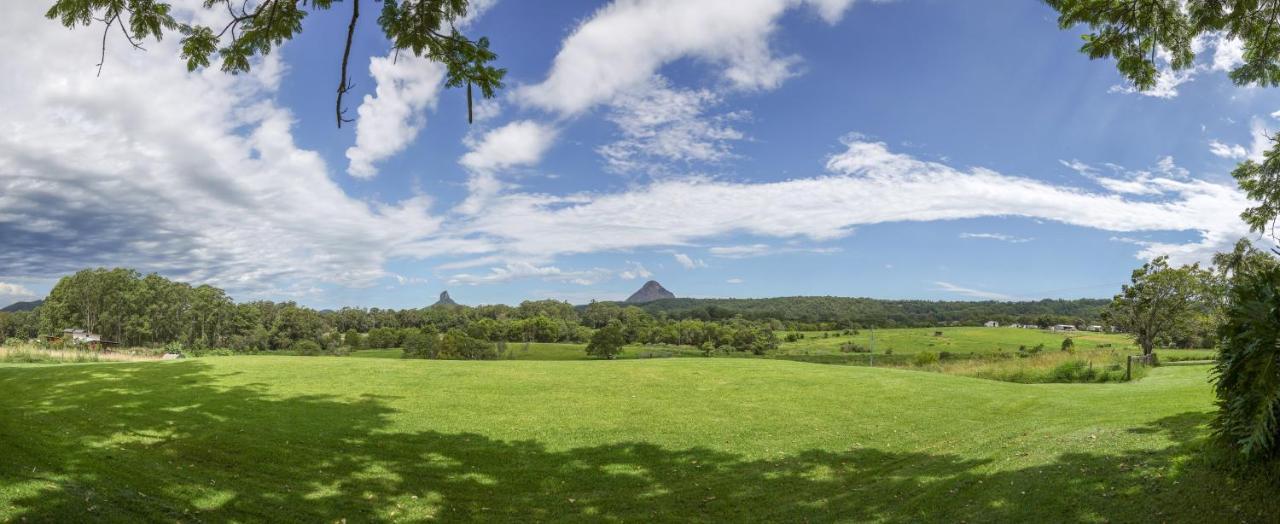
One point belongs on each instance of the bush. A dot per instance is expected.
(1247, 379)
(1068, 345)
(925, 358)
(1073, 371)
(854, 347)
(306, 347)
(12, 342)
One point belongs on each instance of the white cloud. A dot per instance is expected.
(390, 119)
(664, 128)
(406, 87)
(997, 236)
(734, 281)
(1259, 145)
(1228, 53)
(1167, 82)
(688, 262)
(518, 143)
(525, 270)
(973, 293)
(759, 250)
(1232, 151)
(1080, 167)
(742, 251)
(13, 291)
(626, 42)
(633, 271)
(113, 171)
(866, 184)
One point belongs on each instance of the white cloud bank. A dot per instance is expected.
(391, 118)
(866, 184)
(625, 43)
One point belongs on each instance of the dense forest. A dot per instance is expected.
(841, 312)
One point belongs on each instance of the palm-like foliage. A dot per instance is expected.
(1248, 369)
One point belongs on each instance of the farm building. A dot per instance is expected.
(1096, 328)
(82, 336)
(1063, 327)
(991, 323)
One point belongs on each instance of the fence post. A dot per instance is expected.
(1128, 368)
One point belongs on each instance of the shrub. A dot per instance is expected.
(12, 342)
(1068, 345)
(854, 347)
(925, 358)
(306, 347)
(1075, 370)
(1246, 375)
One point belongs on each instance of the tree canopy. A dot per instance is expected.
(1163, 302)
(426, 28)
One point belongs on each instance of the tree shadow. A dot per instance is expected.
(176, 445)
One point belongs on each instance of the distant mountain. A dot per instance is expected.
(444, 301)
(22, 306)
(651, 291)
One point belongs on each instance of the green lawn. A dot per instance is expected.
(557, 351)
(322, 439)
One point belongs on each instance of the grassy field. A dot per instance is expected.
(954, 340)
(323, 439)
(557, 351)
(967, 340)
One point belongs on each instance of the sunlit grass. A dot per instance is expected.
(703, 439)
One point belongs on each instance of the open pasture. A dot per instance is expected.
(324, 438)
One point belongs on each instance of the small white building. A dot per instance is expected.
(992, 323)
(1063, 327)
(1095, 328)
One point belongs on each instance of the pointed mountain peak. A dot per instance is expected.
(649, 292)
(445, 300)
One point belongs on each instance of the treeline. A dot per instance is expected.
(854, 313)
(131, 309)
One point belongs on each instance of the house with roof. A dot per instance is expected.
(83, 337)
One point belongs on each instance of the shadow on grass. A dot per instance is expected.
(128, 442)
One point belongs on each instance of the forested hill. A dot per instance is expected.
(850, 312)
(21, 306)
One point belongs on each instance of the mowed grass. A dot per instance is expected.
(324, 439)
(556, 351)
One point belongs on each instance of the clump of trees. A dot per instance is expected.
(607, 341)
(1168, 306)
(453, 345)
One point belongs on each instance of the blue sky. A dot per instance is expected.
(904, 149)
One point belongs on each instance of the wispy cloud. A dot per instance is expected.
(997, 236)
(688, 262)
(970, 292)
